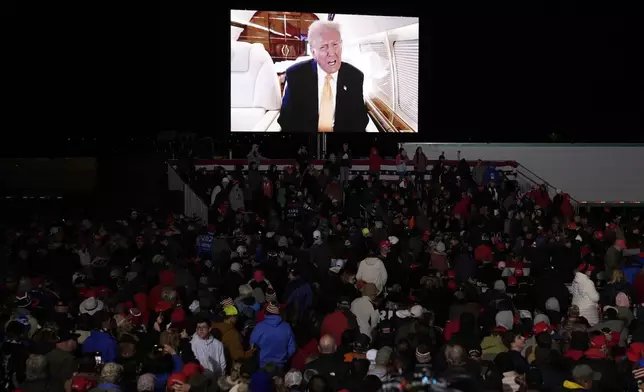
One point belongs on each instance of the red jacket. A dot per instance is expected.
(566, 207)
(375, 162)
(483, 253)
(335, 324)
(542, 198)
(299, 358)
(462, 208)
(267, 188)
(166, 278)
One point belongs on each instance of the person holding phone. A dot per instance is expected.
(158, 364)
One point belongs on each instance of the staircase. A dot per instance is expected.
(193, 206)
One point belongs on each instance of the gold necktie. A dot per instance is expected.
(325, 119)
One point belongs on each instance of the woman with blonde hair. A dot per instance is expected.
(616, 285)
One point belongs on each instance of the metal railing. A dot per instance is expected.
(193, 206)
(529, 175)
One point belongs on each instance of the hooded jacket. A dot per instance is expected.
(210, 354)
(232, 340)
(585, 296)
(373, 270)
(366, 315)
(275, 340)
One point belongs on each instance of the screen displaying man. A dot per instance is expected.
(324, 94)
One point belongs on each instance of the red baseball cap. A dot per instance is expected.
(192, 368)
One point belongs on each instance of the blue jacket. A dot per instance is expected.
(106, 386)
(102, 342)
(160, 380)
(299, 294)
(275, 341)
(491, 174)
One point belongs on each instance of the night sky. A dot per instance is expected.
(487, 75)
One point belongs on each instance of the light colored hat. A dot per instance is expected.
(440, 247)
(293, 378)
(371, 355)
(245, 290)
(146, 382)
(337, 265)
(416, 311)
(90, 306)
(552, 304)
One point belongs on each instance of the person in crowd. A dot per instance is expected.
(101, 339)
(375, 164)
(110, 378)
(274, 338)
(401, 164)
(366, 313)
(584, 294)
(230, 336)
(420, 167)
(62, 362)
(208, 350)
(445, 283)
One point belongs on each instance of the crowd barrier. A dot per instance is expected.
(359, 166)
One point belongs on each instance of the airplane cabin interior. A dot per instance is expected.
(265, 43)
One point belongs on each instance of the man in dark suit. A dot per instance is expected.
(324, 94)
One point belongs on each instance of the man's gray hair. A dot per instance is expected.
(319, 26)
(455, 355)
(112, 373)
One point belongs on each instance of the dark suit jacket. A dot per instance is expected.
(300, 105)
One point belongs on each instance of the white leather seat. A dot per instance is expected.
(275, 126)
(255, 96)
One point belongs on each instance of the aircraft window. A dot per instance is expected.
(406, 58)
(382, 83)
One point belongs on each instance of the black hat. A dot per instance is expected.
(65, 335)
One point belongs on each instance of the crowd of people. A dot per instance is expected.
(450, 278)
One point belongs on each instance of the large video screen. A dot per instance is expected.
(317, 72)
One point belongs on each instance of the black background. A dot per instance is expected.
(117, 76)
(494, 75)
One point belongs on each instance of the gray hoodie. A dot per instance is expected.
(210, 354)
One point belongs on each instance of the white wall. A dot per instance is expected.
(588, 173)
(357, 26)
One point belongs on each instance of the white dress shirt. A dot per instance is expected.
(334, 87)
